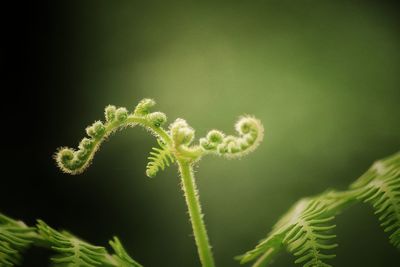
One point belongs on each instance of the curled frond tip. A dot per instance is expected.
(76, 161)
(251, 133)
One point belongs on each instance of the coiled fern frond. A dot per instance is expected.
(380, 186)
(160, 158)
(76, 161)
(174, 144)
(305, 230)
(15, 238)
(251, 133)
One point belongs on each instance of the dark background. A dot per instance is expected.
(323, 76)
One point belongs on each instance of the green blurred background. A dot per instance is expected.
(322, 76)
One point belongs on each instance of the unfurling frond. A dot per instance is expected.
(380, 186)
(15, 237)
(182, 135)
(251, 133)
(76, 161)
(159, 159)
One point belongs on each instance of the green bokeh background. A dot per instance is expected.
(322, 76)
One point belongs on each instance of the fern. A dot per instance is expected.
(305, 230)
(309, 236)
(380, 186)
(159, 159)
(176, 145)
(71, 250)
(15, 238)
(121, 256)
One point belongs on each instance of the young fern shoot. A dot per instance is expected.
(175, 147)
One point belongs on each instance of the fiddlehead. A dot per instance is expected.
(182, 136)
(76, 161)
(175, 143)
(250, 132)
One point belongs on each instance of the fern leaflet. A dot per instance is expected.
(160, 158)
(309, 236)
(15, 237)
(71, 250)
(121, 256)
(304, 230)
(380, 186)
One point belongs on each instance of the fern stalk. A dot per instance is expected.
(193, 203)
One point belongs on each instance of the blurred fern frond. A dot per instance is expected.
(71, 250)
(380, 186)
(309, 236)
(305, 229)
(15, 238)
(121, 256)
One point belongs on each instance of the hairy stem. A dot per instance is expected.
(158, 130)
(196, 217)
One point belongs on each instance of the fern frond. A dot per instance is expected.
(266, 249)
(159, 159)
(251, 133)
(309, 237)
(71, 250)
(304, 230)
(76, 161)
(121, 256)
(15, 237)
(380, 186)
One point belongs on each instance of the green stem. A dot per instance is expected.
(266, 257)
(196, 218)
